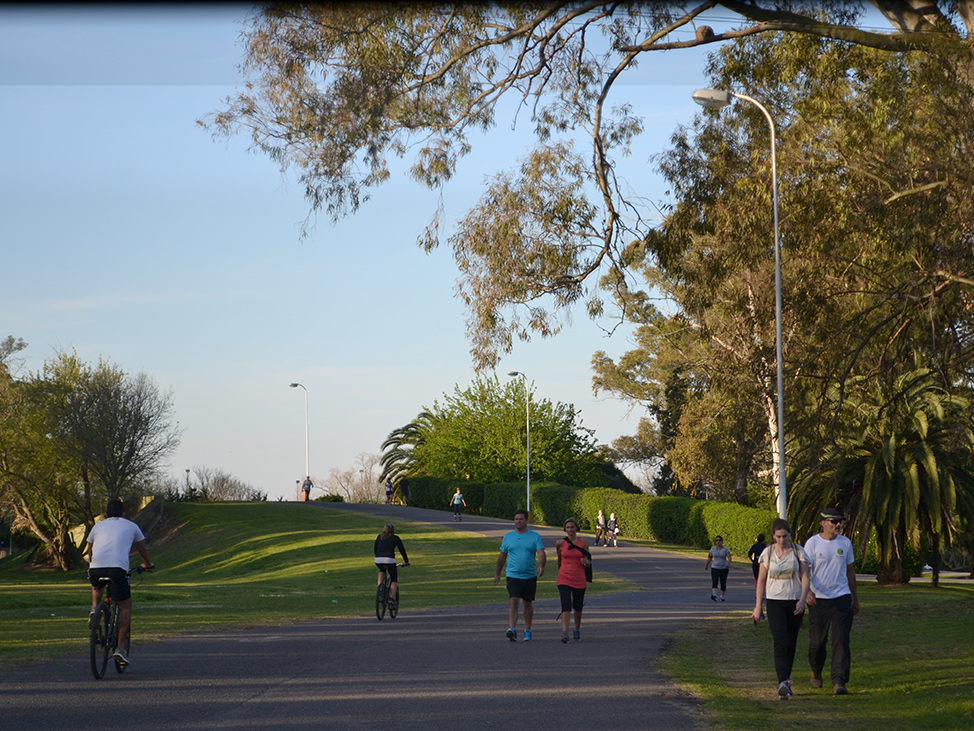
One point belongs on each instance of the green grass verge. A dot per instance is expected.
(246, 564)
(912, 667)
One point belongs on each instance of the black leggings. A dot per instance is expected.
(571, 598)
(719, 576)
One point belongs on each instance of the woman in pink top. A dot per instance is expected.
(573, 557)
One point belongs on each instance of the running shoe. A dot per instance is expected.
(784, 690)
(713, 597)
(527, 635)
(512, 634)
(722, 597)
(564, 638)
(576, 635)
(816, 680)
(91, 618)
(120, 658)
(839, 689)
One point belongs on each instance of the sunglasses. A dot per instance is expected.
(834, 521)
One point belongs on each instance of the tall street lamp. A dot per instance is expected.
(527, 417)
(717, 99)
(307, 451)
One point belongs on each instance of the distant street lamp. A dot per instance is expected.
(717, 99)
(307, 450)
(527, 417)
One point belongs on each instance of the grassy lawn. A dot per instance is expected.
(244, 564)
(912, 667)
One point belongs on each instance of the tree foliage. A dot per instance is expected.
(337, 91)
(480, 434)
(72, 437)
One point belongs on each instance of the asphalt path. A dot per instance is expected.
(443, 669)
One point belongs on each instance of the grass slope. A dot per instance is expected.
(243, 564)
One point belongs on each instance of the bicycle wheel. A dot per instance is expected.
(380, 601)
(394, 606)
(119, 667)
(98, 641)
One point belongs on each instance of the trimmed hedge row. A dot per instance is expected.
(677, 520)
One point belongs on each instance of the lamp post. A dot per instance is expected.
(307, 451)
(527, 417)
(717, 99)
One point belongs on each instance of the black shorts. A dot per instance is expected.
(119, 589)
(522, 588)
(391, 568)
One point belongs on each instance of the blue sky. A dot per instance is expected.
(130, 235)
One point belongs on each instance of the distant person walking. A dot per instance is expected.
(573, 559)
(458, 505)
(612, 531)
(718, 562)
(783, 579)
(388, 492)
(754, 553)
(833, 600)
(601, 531)
(524, 554)
(306, 488)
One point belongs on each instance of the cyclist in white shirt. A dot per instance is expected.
(109, 544)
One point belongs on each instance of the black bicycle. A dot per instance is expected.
(103, 640)
(382, 599)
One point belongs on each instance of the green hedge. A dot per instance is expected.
(678, 520)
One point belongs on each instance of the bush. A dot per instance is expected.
(329, 499)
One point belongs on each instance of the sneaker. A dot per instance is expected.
(564, 638)
(713, 597)
(576, 635)
(722, 597)
(784, 689)
(839, 689)
(120, 658)
(512, 634)
(527, 635)
(816, 680)
(91, 618)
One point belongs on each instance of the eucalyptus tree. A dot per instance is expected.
(336, 91)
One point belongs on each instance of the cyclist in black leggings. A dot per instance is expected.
(385, 547)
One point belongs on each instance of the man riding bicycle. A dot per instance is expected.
(109, 544)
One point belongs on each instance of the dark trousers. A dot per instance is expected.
(719, 577)
(784, 626)
(835, 616)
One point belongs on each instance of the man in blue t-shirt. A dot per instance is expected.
(524, 554)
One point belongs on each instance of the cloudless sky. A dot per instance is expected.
(130, 235)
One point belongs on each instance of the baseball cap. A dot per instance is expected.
(832, 513)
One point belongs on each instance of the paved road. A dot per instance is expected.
(448, 669)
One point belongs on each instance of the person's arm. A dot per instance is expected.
(728, 556)
(558, 546)
(850, 572)
(710, 557)
(143, 552)
(402, 550)
(90, 550)
(542, 560)
(501, 559)
(759, 591)
(803, 573)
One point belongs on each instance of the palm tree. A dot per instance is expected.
(905, 470)
(398, 450)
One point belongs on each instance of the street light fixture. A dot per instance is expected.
(307, 451)
(717, 99)
(527, 417)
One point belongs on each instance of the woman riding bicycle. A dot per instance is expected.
(385, 547)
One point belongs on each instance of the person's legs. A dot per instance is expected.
(842, 618)
(819, 617)
(528, 614)
(778, 624)
(512, 610)
(794, 627)
(124, 621)
(565, 593)
(714, 582)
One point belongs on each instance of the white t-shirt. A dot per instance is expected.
(829, 560)
(111, 543)
(784, 579)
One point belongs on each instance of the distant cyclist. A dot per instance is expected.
(109, 544)
(385, 547)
